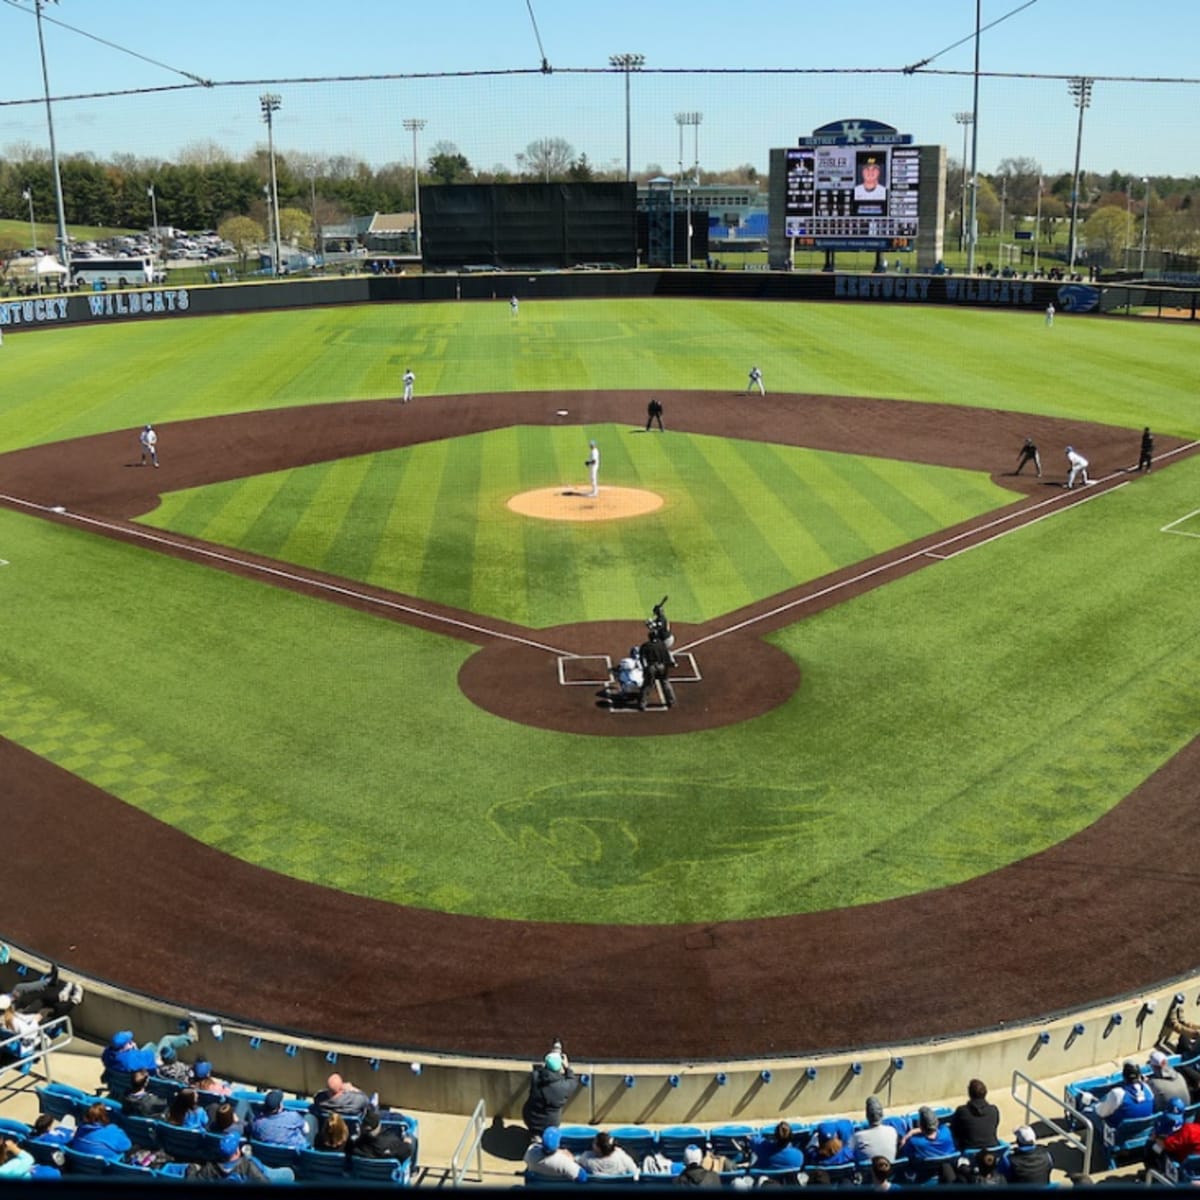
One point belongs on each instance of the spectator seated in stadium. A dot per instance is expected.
(138, 1101)
(551, 1088)
(232, 1165)
(171, 1067)
(695, 1173)
(15, 1163)
(881, 1174)
(95, 1135)
(1129, 1100)
(930, 1139)
(278, 1125)
(776, 1151)
(342, 1097)
(1027, 1162)
(876, 1139)
(18, 1030)
(46, 1128)
(124, 1053)
(832, 1145)
(1173, 1141)
(224, 1119)
(334, 1134)
(976, 1124)
(607, 1158)
(203, 1079)
(547, 1159)
(376, 1140)
(1165, 1082)
(184, 1110)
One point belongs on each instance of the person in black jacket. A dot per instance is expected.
(1027, 1162)
(975, 1125)
(376, 1140)
(551, 1088)
(654, 412)
(1145, 454)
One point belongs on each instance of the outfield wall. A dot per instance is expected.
(42, 312)
(1087, 1042)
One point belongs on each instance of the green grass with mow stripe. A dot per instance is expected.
(741, 520)
(955, 720)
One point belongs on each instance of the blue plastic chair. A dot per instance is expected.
(62, 1100)
(723, 1137)
(45, 1153)
(11, 1127)
(183, 1145)
(118, 1082)
(380, 1170)
(272, 1154)
(164, 1089)
(322, 1164)
(603, 1179)
(674, 1139)
(636, 1140)
(76, 1163)
(123, 1170)
(142, 1131)
(577, 1138)
(1127, 1137)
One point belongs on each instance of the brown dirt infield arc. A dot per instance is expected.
(116, 894)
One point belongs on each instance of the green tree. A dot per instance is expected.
(1104, 234)
(243, 235)
(448, 165)
(295, 226)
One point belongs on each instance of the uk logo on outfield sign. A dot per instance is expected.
(859, 131)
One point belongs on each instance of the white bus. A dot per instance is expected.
(137, 270)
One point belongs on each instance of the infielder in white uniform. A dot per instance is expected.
(592, 462)
(514, 306)
(756, 381)
(149, 442)
(409, 380)
(1078, 465)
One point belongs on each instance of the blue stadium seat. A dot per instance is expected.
(577, 1138)
(164, 1089)
(380, 1170)
(141, 1130)
(722, 1138)
(322, 1164)
(674, 1139)
(11, 1127)
(62, 1100)
(45, 1153)
(603, 1179)
(922, 1171)
(183, 1145)
(122, 1170)
(210, 1146)
(636, 1140)
(271, 1154)
(1127, 1137)
(75, 1163)
(118, 1082)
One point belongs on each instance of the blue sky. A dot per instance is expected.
(1135, 128)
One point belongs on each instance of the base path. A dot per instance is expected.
(276, 952)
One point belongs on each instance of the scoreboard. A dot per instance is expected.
(846, 197)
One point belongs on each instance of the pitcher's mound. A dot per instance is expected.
(575, 504)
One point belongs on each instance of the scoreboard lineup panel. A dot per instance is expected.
(829, 197)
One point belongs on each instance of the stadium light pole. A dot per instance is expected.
(414, 125)
(1081, 94)
(965, 119)
(627, 63)
(1037, 225)
(27, 194)
(974, 145)
(270, 106)
(1145, 221)
(58, 192)
(683, 119)
(318, 243)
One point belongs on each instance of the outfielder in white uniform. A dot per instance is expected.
(592, 462)
(409, 380)
(1078, 465)
(756, 381)
(149, 443)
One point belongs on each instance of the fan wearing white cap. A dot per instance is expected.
(1165, 1082)
(695, 1173)
(1027, 1162)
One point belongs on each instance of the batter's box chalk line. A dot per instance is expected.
(580, 670)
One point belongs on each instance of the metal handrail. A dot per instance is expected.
(470, 1142)
(1061, 1125)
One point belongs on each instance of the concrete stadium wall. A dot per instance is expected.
(1089, 1041)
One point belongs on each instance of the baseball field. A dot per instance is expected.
(321, 675)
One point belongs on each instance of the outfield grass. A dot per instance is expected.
(955, 720)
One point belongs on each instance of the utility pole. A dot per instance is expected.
(964, 119)
(627, 63)
(270, 105)
(59, 211)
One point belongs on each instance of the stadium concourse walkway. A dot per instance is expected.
(505, 1139)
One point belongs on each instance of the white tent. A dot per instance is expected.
(46, 266)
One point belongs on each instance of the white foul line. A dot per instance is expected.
(906, 558)
(246, 564)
